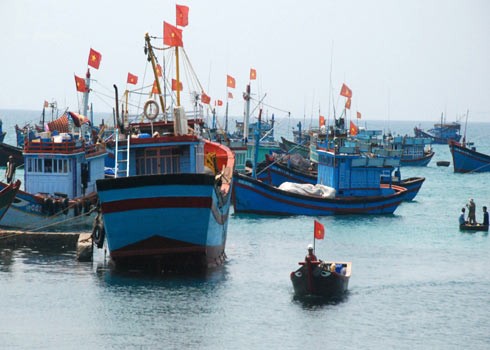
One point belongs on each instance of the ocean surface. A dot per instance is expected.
(417, 281)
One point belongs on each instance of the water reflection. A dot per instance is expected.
(317, 302)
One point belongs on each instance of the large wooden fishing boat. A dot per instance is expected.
(346, 184)
(168, 204)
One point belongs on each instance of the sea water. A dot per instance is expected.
(417, 281)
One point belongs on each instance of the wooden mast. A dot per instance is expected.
(154, 66)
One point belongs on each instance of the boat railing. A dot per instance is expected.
(66, 147)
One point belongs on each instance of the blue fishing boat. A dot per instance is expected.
(347, 184)
(442, 132)
(168, 203)
(278, 172)
(467, 159)
(60, 170)
(416, 151)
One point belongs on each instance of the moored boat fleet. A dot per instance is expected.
(156, 189)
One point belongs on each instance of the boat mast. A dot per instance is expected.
(257, 143)
(85, 93)
(246, 95)
(465, 124)
(151, 56)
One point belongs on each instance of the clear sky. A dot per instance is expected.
(403, 60)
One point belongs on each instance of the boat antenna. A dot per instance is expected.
(465, 124)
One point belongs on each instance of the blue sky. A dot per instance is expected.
(403, 60)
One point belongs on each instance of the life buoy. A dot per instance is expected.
(98, 235)
(148, 107)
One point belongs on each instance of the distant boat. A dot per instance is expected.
(442, 132)
(7, 196)
(293, 147)
(416, 151)
(467, 160)
(443, 163)
(60, 170)
(325, 279)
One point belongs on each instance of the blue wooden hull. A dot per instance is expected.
(174, 217)
(423, 161)
(278, 173)
(466, 160)
(255, 197)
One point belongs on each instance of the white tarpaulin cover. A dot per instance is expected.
(308, 189)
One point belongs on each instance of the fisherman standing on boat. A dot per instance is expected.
(311, 255)
(471, 212)
(485, 216)
(10, 171)
(462, 220)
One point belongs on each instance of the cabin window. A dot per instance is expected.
(34, 165)
(158, 161)
(48, 165)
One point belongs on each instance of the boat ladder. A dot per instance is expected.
(122, 158)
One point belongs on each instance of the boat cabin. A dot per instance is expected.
(62, 164)
(352, 174)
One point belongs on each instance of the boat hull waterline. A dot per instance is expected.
(162, 216)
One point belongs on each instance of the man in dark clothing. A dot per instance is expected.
(485, 216)
(471, 212)
(10, 171)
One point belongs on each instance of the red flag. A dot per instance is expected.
(159, 70)
(176, 86)
(358, 115)
(345, 91)
(319, 230)
(205, 98)
(230, 95)
(253, 74)
(347, 103)
(322, 120)
(132, 79)
(172, 36)
(94, 59)
(80, 82)
(154, 89)
(182, 15)
(353, 130)
(219, 102)
(230, 81)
